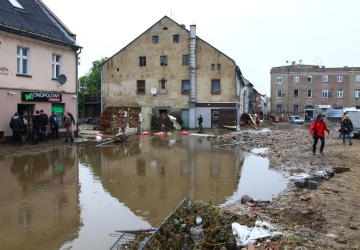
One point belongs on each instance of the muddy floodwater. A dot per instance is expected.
(76, 197)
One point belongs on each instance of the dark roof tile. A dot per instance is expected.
(35, 20)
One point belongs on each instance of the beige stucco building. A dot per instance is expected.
(168, 68)
(38, 62)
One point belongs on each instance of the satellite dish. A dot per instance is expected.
(153, 91)
(62, 79)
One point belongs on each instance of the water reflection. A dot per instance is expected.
(75, 197)
(39, 200)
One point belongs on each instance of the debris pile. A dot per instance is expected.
(197, 225)
(115, 118)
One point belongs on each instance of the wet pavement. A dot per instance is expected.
(77, 197)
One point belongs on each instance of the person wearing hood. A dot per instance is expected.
(16, 125)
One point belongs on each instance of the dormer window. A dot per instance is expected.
(16, 4)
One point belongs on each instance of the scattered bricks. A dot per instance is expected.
(312, 185)
(258, 209)
(302, 183)
(249, 204)
(305, 198)
(250, 214)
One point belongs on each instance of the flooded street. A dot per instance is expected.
(77, 197)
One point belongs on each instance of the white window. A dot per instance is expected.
(279, 79)
(339, 93)
(280, 94)
(340, 78)
(296, 79)
(309, 78)
(325, 78)
(278, 109)
(357, 93)
(357, 78)
(325, 93)
(296, 93)
(309, 93)
(56, 66)
(22, 61)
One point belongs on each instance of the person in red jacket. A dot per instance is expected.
(317, 129)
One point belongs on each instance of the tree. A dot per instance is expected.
(90, 83)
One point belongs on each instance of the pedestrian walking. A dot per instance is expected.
(200, 120)
(317, 130)
(54, 125)
(16, 125)
(346, 129)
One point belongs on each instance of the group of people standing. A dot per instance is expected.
(318, 128)
(37, 127)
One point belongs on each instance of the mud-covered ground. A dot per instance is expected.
(328, 218)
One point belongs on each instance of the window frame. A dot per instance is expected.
(163, 61)
(184, 84)
(357, 78)
(140, 87)
(155, 39)
(296, 79)
(296, 93)
(340, 78)
(279, 79)
(309, 78)
(213, 67)
(218, 67)
(340, 93)
(215, 82)
(142, 61)
(56, 66)
(296, 109)
(357, 93)
(279, 93)
(23, 61)
(325, 78)
(163, 86)
(309, 91)
(176, 38)
(279, 110)
(186, 60)
(325, 93)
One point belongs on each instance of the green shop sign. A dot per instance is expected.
(40, 97)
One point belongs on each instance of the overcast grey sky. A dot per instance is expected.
(256, 34)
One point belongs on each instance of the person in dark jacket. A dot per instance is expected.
(346, 129)
(317, 129)
(16, 125)
(44, 122)
(25, 119)
(35, 128)
(54, 125)
(73, 123)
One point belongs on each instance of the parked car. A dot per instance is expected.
(296, 119)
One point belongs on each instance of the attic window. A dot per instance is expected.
(165, 28)
(16, 4)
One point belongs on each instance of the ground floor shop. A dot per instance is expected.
(30, 101)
